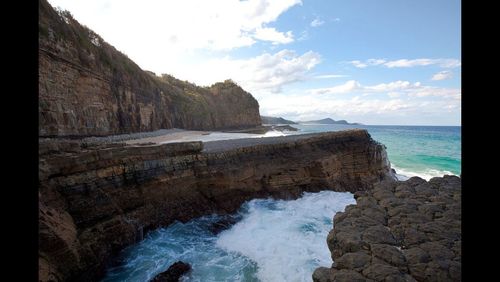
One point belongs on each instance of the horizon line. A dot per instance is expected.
(381, 124)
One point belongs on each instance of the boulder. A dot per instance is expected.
(173, 273)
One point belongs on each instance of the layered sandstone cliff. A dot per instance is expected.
(87, 87)
(399, 231)
(94, 201)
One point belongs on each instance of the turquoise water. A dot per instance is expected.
(276, 240)
(424, 151)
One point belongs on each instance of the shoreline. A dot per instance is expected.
(134, 189)
(393, 260)
(398, 231)
(176, 135)
(212, 227)
(172, 135)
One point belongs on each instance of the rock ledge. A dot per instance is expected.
(399, 231)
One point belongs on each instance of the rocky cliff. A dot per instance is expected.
(96, 200)
(399, 231)
(87, 87)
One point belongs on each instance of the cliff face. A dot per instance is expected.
(399, 231)
(96, 201)
(87, 87)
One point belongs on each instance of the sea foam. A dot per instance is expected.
(287, 239)
(275, 240)
(428, 173)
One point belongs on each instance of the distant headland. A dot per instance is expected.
(280, 120)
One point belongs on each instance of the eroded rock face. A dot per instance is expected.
(399, 231)
(94, 201)
(87, 87)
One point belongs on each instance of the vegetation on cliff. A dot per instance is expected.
(87, 87)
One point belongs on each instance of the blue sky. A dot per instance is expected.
(368, 61)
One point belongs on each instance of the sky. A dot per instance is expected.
(379, 62)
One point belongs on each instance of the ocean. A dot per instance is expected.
(424, 151)
(274, 240)
(277, 240)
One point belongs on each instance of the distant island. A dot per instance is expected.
(280, 120)
(329, 121)
(275, 120)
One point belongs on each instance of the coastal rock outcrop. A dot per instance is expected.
(88, 88)
(398, 231)
(173, 273)
(97, 199)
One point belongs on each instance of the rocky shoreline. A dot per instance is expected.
(96, 200)
(137, 136)
(398, 231)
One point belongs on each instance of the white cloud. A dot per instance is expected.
(359, 64)
(352, 86)
(303, 106)
(391, 86)
(347, 87)
(168, 30)
(317, 22)
(393, 105)
(415, 90)
(330, 76)
(425, 91)
(271, 34)
(268, 72)
(189, 39)
(369, 62)
(442, 75)
(406, 63)
(272, 71)
(375, 62)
